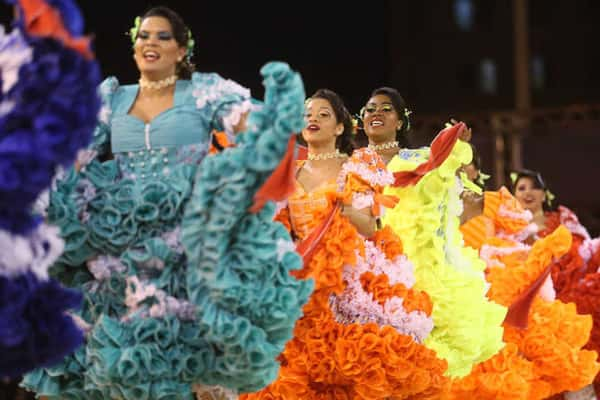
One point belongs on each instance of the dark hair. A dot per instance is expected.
(344, 142)
(181, 33)
(538, 183)
(400, 107)
(476, 161)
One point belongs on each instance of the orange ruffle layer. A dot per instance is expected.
(335, 361)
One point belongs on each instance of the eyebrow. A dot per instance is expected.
(384, 103)
(320, 108)
(150, 31)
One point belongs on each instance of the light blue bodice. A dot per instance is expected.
(178, 135)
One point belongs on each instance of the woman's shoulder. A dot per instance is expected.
(112, 92)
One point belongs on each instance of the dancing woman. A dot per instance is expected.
(468, 327)
(185, 289)
(362, 332)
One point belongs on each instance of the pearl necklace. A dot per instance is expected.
(157, 85)
(326, 156)
(383, 146)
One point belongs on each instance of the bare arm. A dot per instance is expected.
(363, 220)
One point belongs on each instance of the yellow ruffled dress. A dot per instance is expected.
(468, 327)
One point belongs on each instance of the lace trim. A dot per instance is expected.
(213, 92)
(234, 116)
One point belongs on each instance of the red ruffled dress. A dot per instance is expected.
(576, 274)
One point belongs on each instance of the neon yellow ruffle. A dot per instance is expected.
(468, 327)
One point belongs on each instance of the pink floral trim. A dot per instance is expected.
(103, 266)
(505, 212)
(378, 177)
(488, 253)
(362, 200)
(234, 116)
(530, 230)
(137, 291)
(400, 270)
(355, 305)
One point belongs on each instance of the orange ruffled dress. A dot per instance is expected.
(361, 333)
(546, 357)
(576, 275)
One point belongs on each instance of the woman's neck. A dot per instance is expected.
(387, 154)
(155, 76)
(317, 148)
(385, 146)
(539, 218)
(324, 157)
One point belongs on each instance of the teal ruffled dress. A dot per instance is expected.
(183, 286)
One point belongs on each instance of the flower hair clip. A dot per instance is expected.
(356, 124)
(133, 31)
(407, 113)
(482, 178)
(549, 197)
(190, 45)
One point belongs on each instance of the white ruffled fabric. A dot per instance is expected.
(14, 52)
(33, 253)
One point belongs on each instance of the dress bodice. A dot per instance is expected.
(307, 209)
(178, 135)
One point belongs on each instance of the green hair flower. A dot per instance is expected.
(482, 178)
(133, 32)
(549, 197)
(190, 45)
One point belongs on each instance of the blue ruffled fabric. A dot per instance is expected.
(34, 329)
(54, 115)
(245, 292)
(228, 269)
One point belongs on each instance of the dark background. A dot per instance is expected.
(423, 48)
